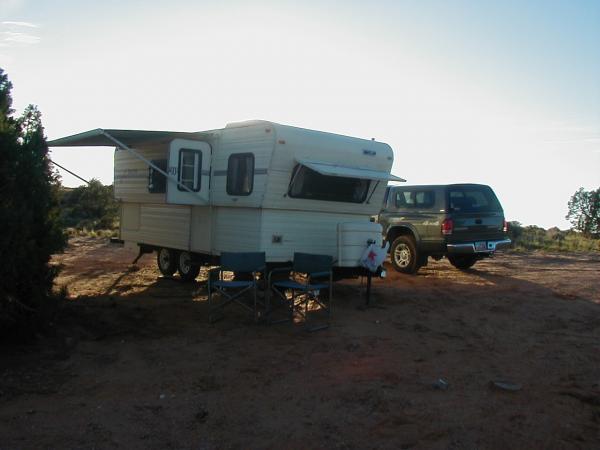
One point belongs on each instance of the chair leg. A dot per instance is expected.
(255, 308)
(306, 300)
(292, 305)
(209, 301)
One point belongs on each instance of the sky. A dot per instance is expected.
(505, 93)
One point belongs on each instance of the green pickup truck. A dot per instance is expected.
(463, 222)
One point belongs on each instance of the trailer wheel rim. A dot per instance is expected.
(185, 262)
(164, 258)
(402, 255)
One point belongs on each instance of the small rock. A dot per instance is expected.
(162, 396)
(441, 384)
(504, 385)
(201, 415)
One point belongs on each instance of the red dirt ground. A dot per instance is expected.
(134, 363)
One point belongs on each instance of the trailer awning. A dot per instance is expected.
(335, 170)
(132, 138)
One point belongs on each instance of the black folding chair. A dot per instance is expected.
(309, 275)
(232, 290)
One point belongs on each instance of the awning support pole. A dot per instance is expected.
(68, 171)
(373, 191)
(148, 162)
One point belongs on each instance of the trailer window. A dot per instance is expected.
(309, 184)
(190, 169)
(157, 182)
(240, 174)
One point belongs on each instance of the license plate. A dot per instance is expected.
(481, 246)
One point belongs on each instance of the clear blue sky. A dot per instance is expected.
(505, 93)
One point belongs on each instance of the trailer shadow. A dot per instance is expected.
(143, 367)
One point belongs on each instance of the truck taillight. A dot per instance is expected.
(447, 227)
(505, 226)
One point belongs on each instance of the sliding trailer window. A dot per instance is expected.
(309, 184)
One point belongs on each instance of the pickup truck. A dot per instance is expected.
(462, 222)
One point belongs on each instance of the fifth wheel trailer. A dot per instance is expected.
(251, 186)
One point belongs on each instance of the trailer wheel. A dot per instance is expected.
(187, 270)
(167, 261)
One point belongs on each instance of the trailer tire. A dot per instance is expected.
(166, 259)
(188, 271)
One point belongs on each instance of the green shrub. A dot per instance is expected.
(30, 218)
(90, 207)
(535, 238)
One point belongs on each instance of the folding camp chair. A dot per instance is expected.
(234, 291)
(309, 276)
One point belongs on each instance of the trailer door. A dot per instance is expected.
(189, 170)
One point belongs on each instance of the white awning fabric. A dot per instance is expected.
(132, 138)
(335, 170)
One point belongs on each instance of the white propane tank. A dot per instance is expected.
(353, 239)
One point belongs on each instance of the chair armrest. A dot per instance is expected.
(277, 270)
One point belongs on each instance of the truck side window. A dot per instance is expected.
(157, 182)
(415, 199)
(190, 169)
(424, 199)
(404, 199)
(240, 174)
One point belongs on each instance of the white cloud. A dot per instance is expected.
(18, 38)
(10, 23)
(17, 32)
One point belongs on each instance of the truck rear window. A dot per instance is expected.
(473, 199)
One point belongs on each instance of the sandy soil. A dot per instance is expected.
(134, 363)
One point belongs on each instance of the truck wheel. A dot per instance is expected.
(404, 255)
(462, 262)
(167, 261)
(187, 270)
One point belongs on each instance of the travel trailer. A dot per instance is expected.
(251, 186)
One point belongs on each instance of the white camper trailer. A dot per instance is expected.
(251, 186)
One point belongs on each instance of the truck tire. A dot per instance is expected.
(462, 262)
(166, 259)
(187, 270)
(404, 255)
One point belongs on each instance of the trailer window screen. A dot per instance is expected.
(157, 182)
(190, 169)
(240, 174)
(309, 184)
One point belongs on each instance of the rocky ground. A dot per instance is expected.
(133, 362)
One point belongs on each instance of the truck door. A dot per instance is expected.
(189, 164)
